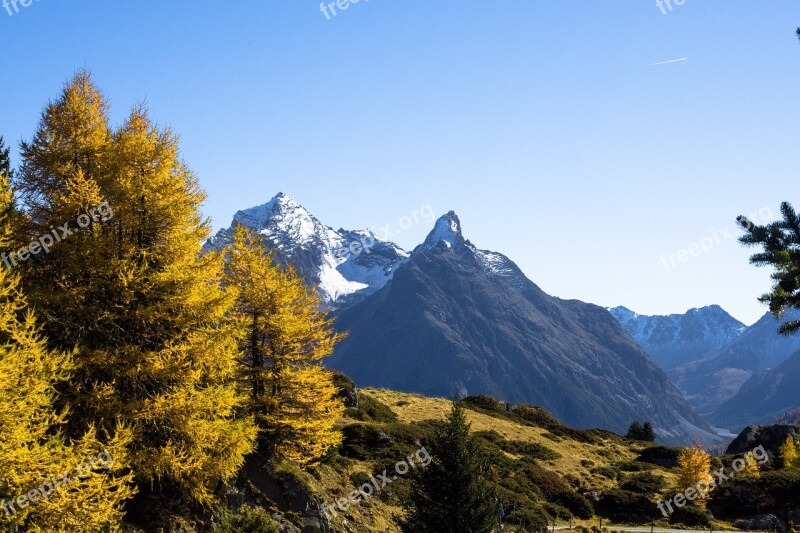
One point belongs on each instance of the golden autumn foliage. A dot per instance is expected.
(694, 467)
(145, 315)
(142, 347)
(788, 453)
(751, 468)
(31, 447)
(293, 398)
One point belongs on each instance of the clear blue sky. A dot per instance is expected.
(544, 125)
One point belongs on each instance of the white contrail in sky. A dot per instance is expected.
(670, 61)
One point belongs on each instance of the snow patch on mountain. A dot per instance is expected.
(333, 285)
(496, 263)
(343, 265)
(447, 231)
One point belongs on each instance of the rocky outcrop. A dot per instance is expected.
(762, 522)
(282, 495)
(771, 437)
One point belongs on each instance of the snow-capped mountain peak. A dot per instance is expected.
(447, 233)
(672, 340)
(447, 230)
(284, 218)
(346, 266)
(343, 265)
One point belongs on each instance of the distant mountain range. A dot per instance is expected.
(677, 339)
(450, 318)
(730, 383)
(791, 417)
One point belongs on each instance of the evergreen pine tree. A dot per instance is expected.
(31, 447)
(648, 434)
(781, 251)
(5, 160)
(634, 431)
(145, 315)
(294, 399)
(451, 494)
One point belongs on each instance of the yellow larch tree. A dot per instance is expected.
(788, 454)
(751, 468)
(292, 396)
(32, 449)
(129, 293)
(694, 467)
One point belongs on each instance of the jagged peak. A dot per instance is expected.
(713, 310)
(284, 215)
(622, 311)
(281, 202)
(447, 230)
(706, 309)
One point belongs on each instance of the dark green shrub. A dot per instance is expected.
(691, 516)
(555, 490)
(411, 433)
(359, 478)
(532, 518)
(635, 466)
(608, 472)
(539, 417)
(343, 383)
(247, 519)
(532, 416)
(532, 450)
(557, 511)
(361, 441)
(744, 496)
(520, 501)
(490, 436)
(644, 483)
(370, 410)
(579, 506)
(627, 507)
(386, 443)
(484, 402)
(664, 456)
(608, 453)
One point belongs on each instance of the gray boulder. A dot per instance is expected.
(762, 522)
(771, 437)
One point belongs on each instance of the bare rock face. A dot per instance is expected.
(764, 397)
(457, 320)
(771, 437)
(259, 485)
(762, 522)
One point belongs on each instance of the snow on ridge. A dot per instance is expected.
(346, 262)
(319, 249)
(495, 263)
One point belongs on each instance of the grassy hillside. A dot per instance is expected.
(540, 468)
